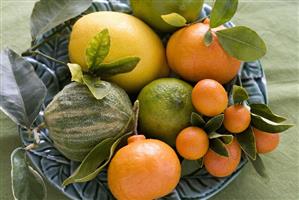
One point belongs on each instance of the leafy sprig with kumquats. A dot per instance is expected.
(260, 118)
(240, 42)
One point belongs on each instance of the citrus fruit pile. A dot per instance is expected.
(182, 111)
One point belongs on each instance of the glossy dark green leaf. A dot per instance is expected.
(246, 140)
(264, 111)
(218, 147)
(97, 87)
(95, 161)
(226, 138)
(259, 166)
(22, 93)
(76, 72)
(197, 120)
(174, 19)
(214, 123)
(190, 166)
(122, 65)
(26, 182)
(97, 49)
(49, 14)
(242, 43)
(222, 12)
(239, 94)
(208, 38)
(266, 125)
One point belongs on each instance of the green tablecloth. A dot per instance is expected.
(277, 22)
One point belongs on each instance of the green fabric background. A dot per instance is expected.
(277, 22)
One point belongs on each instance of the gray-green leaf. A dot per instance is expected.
(214, 123)
(208, 38)
(259, 166)
(226, 138)
(76, 72)
(218, 147)
(197, 120)
(190, 166)
(222, 12)
(22, 93)
(49, 14)
(239, 94)
(174, 19)
(97, 87)
(94, 158)
(246, 140)
(264, 111)
(242, 43)
(122, 65)
(266, 125)
(97, 49)
(26, 182)
(95, 161)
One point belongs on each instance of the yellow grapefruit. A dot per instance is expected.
(129, 36)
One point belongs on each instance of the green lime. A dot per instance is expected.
(165, 107)
(150, 11)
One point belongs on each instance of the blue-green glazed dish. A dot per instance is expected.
(56, 168)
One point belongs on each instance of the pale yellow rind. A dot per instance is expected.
(129, 37)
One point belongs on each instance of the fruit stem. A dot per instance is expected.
(41, 126)
(135, 138)
(36, 137)
(30, 146)
(197, 21)
(136, 115)
(35, 46)
(32, 53)
(240, 81)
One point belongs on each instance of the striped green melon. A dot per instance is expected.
(77, 121)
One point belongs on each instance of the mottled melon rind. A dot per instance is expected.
(77, 121)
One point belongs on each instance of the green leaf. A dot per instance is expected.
(259, 166)
(122, 65)
(214, 123)
(197, 120)
(239, 94)
(222, 12)
(246, 140)
(264, 111)
(266, 125)
(49, 14)
(174, 19)
(218, 147)
(26, 182)
(242, 43)
(95, 161)
(22, 93)
(76, 72)
(92, 161)
(97, 49)
(97, 87)
(190, 166)
(226, 138)
(208, 38)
